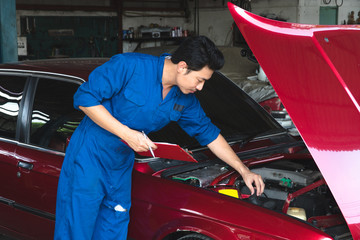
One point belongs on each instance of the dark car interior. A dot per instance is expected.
(54, 120)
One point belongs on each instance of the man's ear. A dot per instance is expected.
(182, 67)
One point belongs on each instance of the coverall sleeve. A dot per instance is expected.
(195, 123)
(104, 82)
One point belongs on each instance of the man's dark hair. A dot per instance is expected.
(198, 52)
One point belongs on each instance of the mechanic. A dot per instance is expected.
(129, 94)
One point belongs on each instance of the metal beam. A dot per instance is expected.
(120, 27)
(8, 35)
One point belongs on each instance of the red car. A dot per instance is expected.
(172, 198)
(184, 193)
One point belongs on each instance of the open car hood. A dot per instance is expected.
(315, 71)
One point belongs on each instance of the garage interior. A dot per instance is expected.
(64, 28)
(53, 29)
(40, 29)
(48, 29)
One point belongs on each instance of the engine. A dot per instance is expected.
(282, 179)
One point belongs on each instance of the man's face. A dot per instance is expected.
(192, 81)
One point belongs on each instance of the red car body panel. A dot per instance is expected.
(188, 210)
(315, 71)
(35, 188)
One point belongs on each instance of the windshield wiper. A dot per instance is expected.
(235, 139)
(269, 150)
(245, 138)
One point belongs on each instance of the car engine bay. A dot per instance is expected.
(293, 187)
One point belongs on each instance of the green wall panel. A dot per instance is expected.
(75, 37)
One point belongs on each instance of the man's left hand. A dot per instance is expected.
(252, 179)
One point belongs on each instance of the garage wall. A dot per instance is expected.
(276, 9)
(214, 18)
(162, 19)
(309, 10)
(216, 22)
(66, 2)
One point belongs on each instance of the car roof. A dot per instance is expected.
(78, 67)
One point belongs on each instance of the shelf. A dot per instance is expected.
(153, 39)
(178, 40)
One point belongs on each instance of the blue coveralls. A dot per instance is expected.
(94, 191)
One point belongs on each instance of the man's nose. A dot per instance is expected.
(200, 86)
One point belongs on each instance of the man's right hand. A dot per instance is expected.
(138, 141)
(102, 117)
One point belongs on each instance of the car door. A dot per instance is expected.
(12, 95)
(47, 125)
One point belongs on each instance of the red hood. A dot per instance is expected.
(315, 71)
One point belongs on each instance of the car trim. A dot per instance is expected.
(41, 73)
(7, 140)
(26, 145)
(31, 210)
(20, 144)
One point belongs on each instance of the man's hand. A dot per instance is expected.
(135, 139)
(138, 141)
(223, 151)
(252, 179)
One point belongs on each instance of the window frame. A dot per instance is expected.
(23, 125)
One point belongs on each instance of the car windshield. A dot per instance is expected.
(230, 109)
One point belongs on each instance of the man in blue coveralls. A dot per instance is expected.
(129, 94)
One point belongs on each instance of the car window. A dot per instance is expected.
(54, 118)
(11, 93)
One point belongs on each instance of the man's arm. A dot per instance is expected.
(102, 117)
(223, 151)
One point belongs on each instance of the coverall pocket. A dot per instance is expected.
(134, 96)
(175, 115)
(135, 100)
